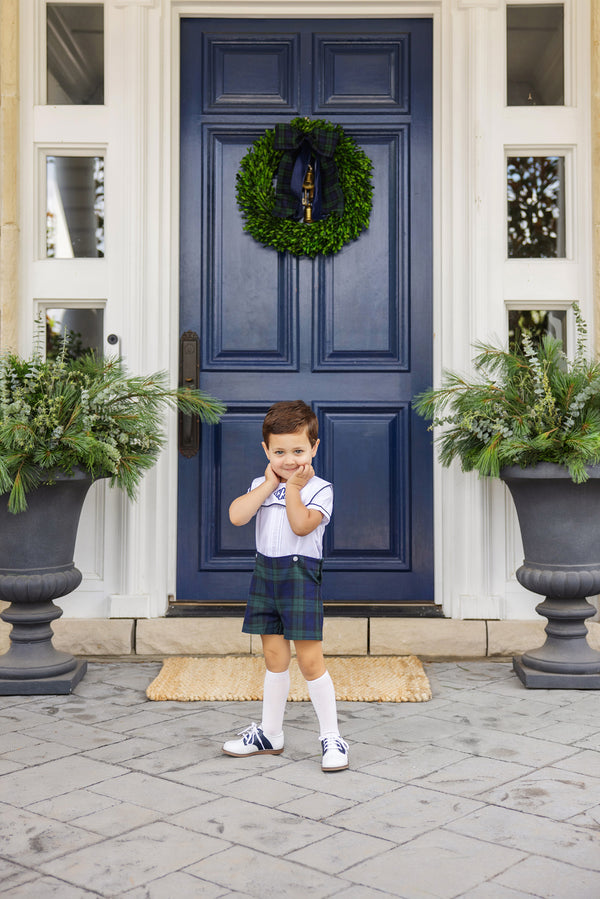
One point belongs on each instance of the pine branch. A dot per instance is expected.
(65, 413)
(524, 406)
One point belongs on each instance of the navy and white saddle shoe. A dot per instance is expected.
(254, 742)
(335, 753)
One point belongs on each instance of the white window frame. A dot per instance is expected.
(72, 150)
(549, 283)
(41, 93)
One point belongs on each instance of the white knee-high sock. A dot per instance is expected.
(322, 695)
(275, 694)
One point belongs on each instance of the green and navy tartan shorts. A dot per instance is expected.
(285, 598)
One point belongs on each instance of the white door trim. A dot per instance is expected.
(427, 9)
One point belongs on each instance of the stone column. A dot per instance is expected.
(9, 154)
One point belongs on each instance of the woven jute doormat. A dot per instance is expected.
(240, 678)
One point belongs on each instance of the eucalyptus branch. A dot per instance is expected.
(525, 405)
(62, 414)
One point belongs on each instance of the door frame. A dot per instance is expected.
(403, 573)
(282, 10)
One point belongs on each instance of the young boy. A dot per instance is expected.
(292, 508)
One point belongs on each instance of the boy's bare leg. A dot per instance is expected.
(310, 658)
(322, 695)
(277, 652)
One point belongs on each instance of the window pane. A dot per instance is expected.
(535, 57)
(538, 323)
(74, 206)
(81, 328)
(75, 54)
(536, 207)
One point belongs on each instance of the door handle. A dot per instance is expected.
(189, 376)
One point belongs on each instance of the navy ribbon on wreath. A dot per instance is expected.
(299, 149)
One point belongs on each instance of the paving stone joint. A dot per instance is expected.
(488, 791)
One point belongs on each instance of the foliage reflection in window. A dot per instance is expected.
(537, 323)
(74, 206)
(536, 207)
(81, 330)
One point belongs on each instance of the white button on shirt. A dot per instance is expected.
(274, 536)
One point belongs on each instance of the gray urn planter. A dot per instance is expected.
(36, 567)
(560, 528)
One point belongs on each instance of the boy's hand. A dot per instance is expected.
(302, 476)
(247, 505)
(302, 520)
(273, 480)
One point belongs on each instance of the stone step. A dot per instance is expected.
(439, 638)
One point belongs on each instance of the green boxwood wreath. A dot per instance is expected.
(255, 189)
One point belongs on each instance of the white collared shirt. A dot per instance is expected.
(275, 537)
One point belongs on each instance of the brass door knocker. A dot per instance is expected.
(308, 193)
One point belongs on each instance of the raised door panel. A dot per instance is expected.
(247, 74)
(231, 451)
(249, 295)
(371, 527)
(367, 75)
(363, 296)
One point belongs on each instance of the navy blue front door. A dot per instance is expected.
(351, 334)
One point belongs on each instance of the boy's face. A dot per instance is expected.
(287, 452)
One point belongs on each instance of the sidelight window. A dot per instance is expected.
(536, 207)
(74, 206)
(74, 54)
(81, 328)
(537, 323)
(535, 55)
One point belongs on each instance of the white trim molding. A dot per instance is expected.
(478, 4)
(123, 4)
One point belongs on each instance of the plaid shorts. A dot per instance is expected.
(285, 598)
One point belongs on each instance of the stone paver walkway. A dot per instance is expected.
(489, 791)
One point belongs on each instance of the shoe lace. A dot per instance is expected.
(248, 734)
(334, 743)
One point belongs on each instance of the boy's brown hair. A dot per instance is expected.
(290, 416)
